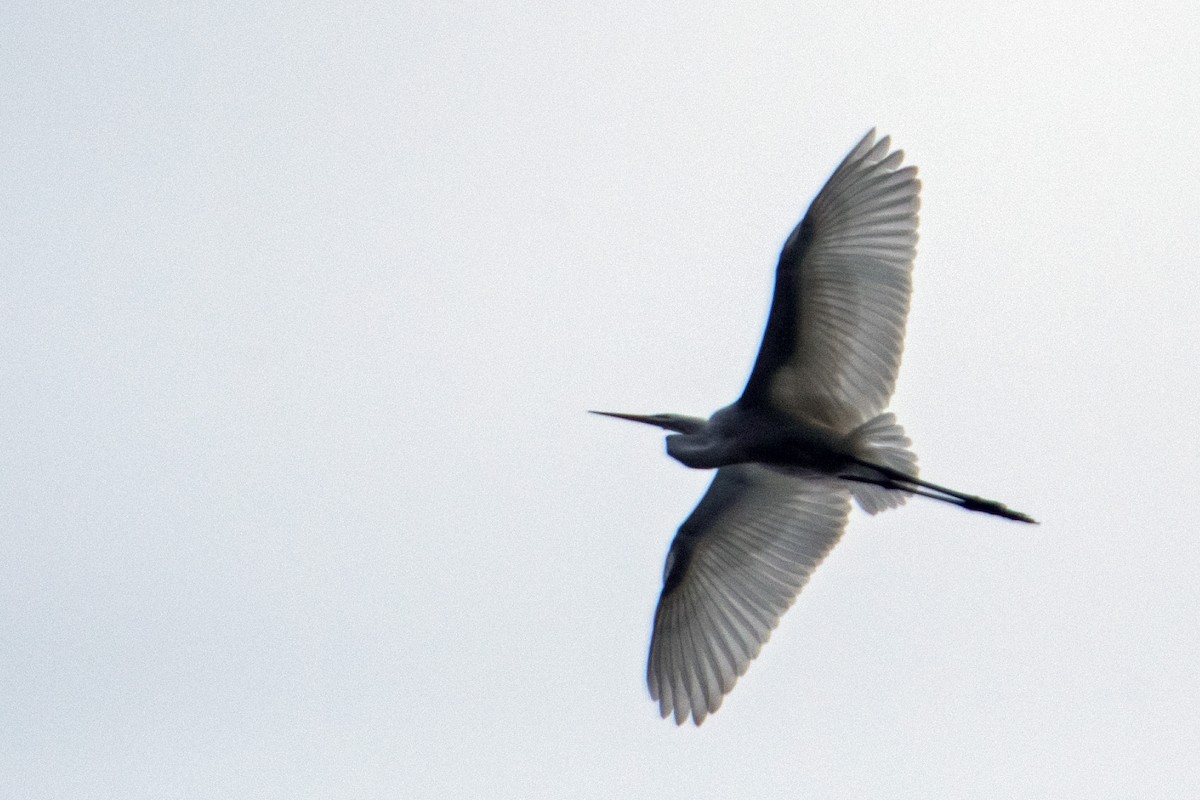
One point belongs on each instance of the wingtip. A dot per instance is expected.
(867, 141)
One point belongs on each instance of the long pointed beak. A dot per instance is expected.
(645, 419)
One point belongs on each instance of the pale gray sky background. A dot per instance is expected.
(303, 305)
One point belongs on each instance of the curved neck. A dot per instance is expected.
(701, 450)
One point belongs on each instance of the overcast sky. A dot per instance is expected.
(303, 306)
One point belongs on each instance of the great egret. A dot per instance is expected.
(808, 433)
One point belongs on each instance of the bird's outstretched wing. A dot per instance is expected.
(735, 566)
(836, 330)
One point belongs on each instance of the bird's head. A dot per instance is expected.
(669, 422)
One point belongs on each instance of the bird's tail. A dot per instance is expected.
(884, 473)
(879, 442)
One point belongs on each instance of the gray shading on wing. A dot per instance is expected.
(735, 567)
(835, 333)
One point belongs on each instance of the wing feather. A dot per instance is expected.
(735, 567)
(835, 335)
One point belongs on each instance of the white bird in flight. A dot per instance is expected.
(808, 433)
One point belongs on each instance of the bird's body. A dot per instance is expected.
(808, 434)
